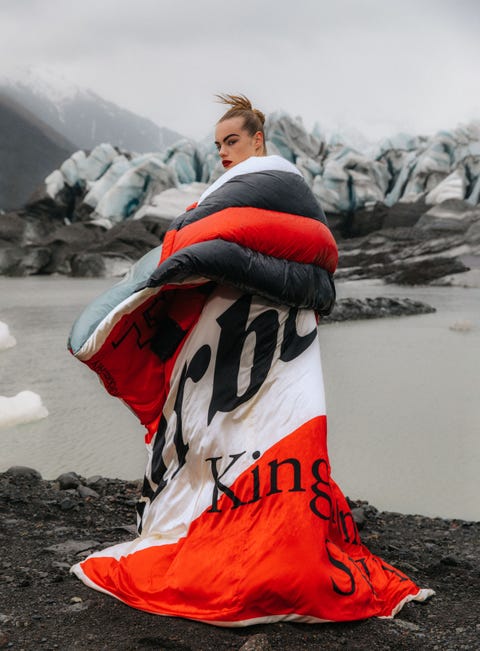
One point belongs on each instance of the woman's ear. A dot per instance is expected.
(258, 141)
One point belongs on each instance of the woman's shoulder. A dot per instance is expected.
(252, 165)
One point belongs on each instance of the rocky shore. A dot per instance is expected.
(353, 309)
(49, 525)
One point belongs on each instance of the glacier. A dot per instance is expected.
(116, 185)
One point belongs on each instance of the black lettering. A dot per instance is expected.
(151, 317)
(234, 333)
(159, 468)
(256, 480)
(402, 577)
(363, 565)
(344, 519)
(341, 566)
(194, 371)
(297, 476)
(141, 504)
(219, 486)
(321, 494)
(294, 344)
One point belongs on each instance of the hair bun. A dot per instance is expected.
(239, 103)
(260, 115)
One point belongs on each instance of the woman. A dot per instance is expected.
(215, 348)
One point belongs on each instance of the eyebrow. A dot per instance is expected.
(226, 138)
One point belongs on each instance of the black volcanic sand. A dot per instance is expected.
(46, 528)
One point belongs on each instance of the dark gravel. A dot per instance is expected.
(46, 526)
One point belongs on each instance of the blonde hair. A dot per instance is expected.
(241, 106)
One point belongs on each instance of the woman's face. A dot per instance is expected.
(235, 144)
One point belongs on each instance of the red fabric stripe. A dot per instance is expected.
(278, 234)
(271, 556)
(167, 245)
(125, 362)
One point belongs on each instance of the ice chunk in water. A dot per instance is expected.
(25, 407)
(6, 339)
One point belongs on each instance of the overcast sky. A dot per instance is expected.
(379, 66)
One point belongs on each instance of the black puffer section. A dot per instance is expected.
(271, 190)
(281, 281)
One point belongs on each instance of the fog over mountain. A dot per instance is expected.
(82, 116)
(44, 118)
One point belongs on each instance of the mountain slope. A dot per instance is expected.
(82, 116)
(29, 150)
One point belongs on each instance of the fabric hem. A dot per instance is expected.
(422, 595)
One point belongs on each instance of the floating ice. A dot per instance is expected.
(462, 326)
(6, 339)
(25, 407)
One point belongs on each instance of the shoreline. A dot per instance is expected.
(47, 525)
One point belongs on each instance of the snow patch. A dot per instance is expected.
(44, 82)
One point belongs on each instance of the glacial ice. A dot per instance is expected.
(172, 202)
(25, 407)
(99, 161)
(184, 159)
(123, 198)
(54, 183)
(73, 168)
(6, 339)
(119, 166)
(453, 187)
(402, 168)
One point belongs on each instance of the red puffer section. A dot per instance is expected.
(277, 234)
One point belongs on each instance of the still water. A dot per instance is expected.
(403, 397)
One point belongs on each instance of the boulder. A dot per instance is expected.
(129, 239)
(12, 228)
(68, 480)
(350, 309)
(24, 472)
(88, 265)
(33, 261)
(10, 257)
(117, 250)
(67, 240)
(23, 261)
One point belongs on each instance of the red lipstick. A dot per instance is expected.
(226, 163)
